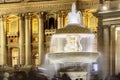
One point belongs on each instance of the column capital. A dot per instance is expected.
(62, 13)
(27, 15)
(41, 14)
(2, 17)
(21, 14)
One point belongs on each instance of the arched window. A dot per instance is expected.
(12, 24)
(51, 23)
(35, 25)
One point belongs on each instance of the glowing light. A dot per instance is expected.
(95, 67)
(105, 7)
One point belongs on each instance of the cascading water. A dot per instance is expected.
(72, 49)
(72, 43)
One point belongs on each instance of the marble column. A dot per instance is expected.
(28, 59)
(41, 38)
(3, 56)
(21, 39)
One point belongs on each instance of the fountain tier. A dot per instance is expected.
(73, 38)
(73, 57)
(73, 28)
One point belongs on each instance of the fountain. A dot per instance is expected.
(72, 50)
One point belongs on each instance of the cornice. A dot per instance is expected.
(25, 7)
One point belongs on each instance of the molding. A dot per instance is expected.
(111, 22)
(108, 15)
(109, 19)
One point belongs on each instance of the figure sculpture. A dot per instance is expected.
(74, 16)
(71, 44)
(6, 76)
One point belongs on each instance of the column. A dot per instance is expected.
(116, 46)
(112, 50)
(85, 18)
(41, 38)
(92, 21)
(3, 42)
(106, 47)
(21, 38)
(89, 20)
(65, 18)
(100, 46)
(62, 20)
(28, 59)
(58, 21)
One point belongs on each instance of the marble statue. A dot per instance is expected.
(74, 16)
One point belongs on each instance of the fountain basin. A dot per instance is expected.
(73, 57)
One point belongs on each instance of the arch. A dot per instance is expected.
(51, 23)
(51, 20)
(12, 24)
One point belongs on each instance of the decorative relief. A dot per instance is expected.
(88, 4)
(44, 6)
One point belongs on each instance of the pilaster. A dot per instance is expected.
(21, 38)
(41, 38)
(3, 56)
(58, 20)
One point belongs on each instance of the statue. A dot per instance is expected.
(74, 16)
(6, 76)
(71, 44)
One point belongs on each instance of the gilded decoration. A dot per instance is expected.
(35, 24)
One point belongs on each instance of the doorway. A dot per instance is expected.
(15, 57)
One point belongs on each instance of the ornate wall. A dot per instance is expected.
(26, 27)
